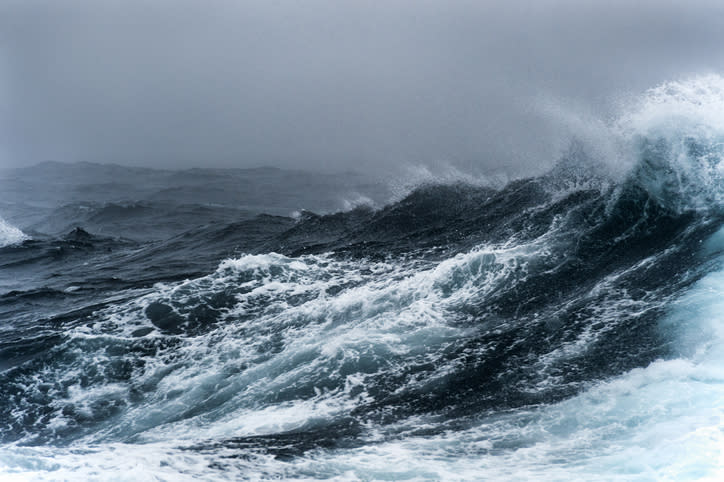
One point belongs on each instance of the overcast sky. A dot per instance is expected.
(329, 84)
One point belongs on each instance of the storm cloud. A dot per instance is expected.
(329, 84)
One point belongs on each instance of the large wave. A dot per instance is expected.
(563, 326)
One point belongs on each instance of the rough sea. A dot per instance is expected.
(268, 324)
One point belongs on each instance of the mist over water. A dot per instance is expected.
(264, 323)
(485, 87)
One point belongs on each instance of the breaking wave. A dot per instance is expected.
(9, 234)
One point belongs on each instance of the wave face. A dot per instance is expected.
(564, 326)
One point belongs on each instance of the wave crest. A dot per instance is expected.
(677, 133)
(9, 234)
(669, 141)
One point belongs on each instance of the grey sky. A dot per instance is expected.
(328, 83)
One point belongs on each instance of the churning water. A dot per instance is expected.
(568, 326)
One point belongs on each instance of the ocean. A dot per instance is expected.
(268, 324)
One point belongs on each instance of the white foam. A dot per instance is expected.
(124, 462)
(661, 422)
(10, 234)
(286, 332)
